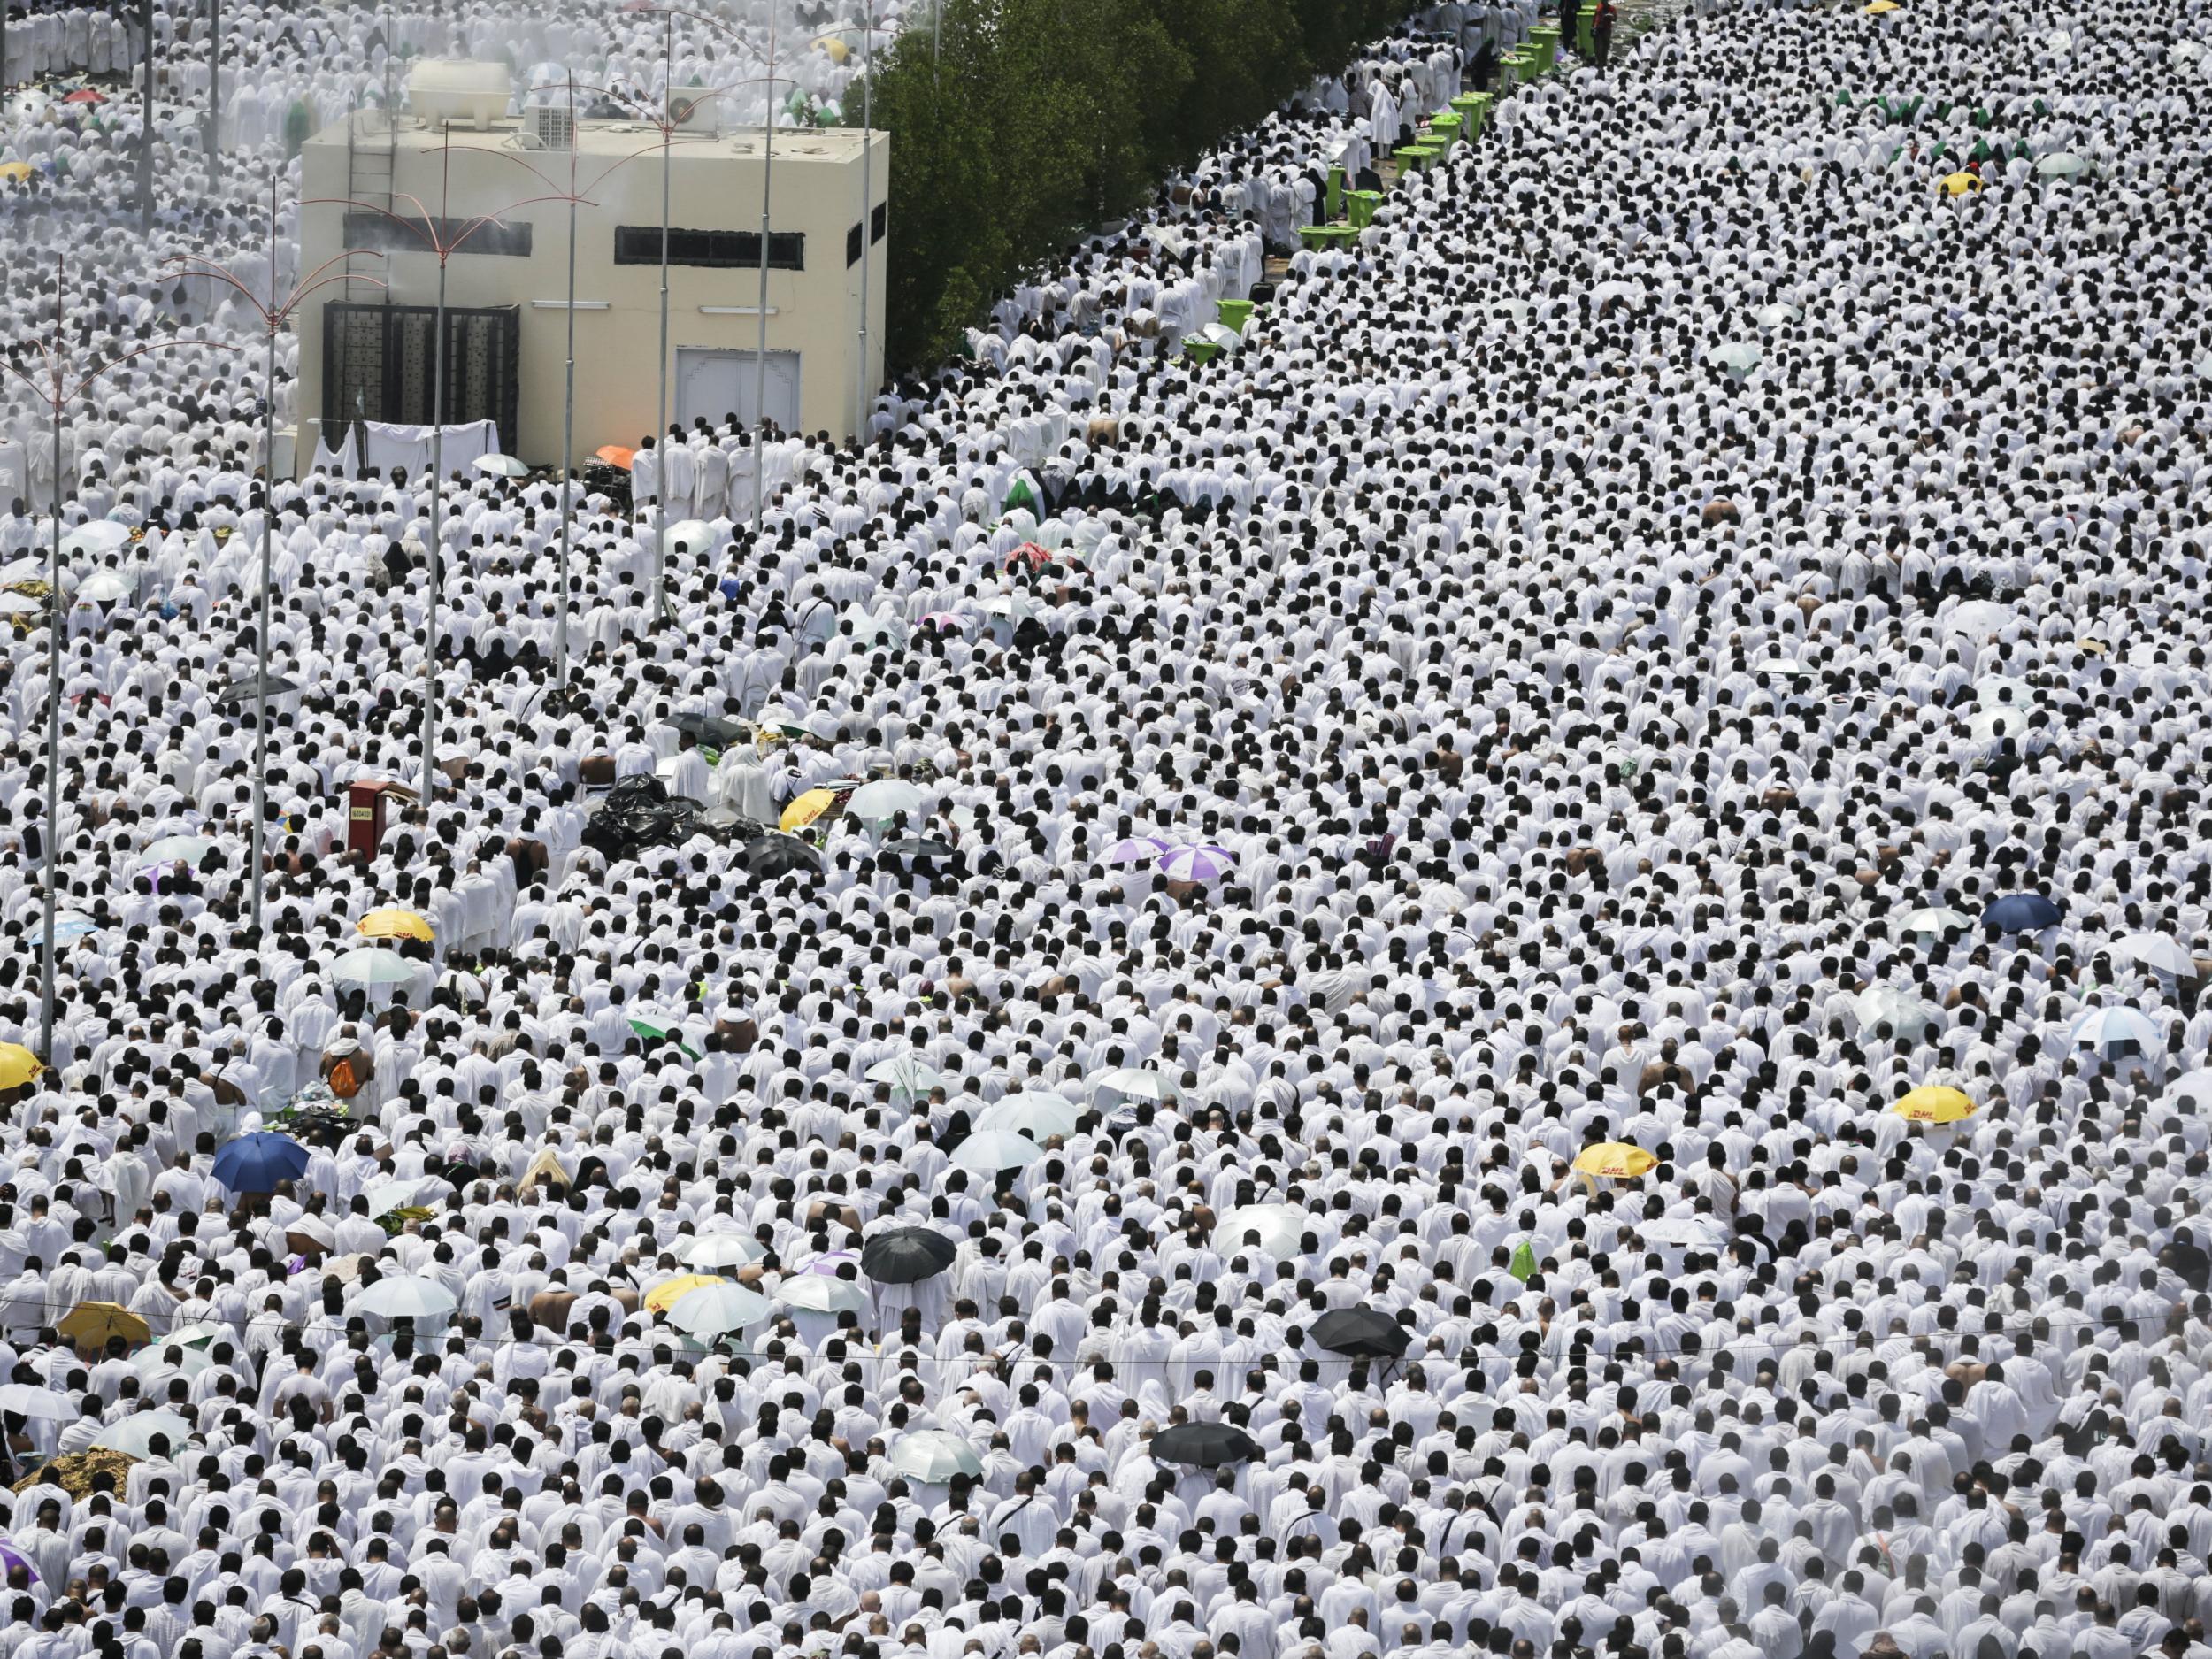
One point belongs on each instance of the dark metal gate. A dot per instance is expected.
(376, 367)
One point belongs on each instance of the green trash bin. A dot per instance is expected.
(1235, 313)
(1474, 108)
(1361, 204)
(1320, 236)
(1200, 350)
(1416, 158)
(1585, 45)
(1444, 129)
(1335, 197)
(1545, 36)
(1520, 64)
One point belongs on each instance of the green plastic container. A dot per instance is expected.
(1200, 350)
(1546, 39)
(1235, 313)
(1319, 236)
(1474, 109)
(1417, 157)
(1361, 204)
(1336, 196)
(1444, 129)
(1520, 64)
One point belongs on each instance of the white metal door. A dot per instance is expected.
(715, 383)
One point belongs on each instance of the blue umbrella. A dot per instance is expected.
(2022, 913)
(258, 1162)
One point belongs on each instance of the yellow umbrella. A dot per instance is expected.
(90, 1324)
(663, 1296)
(394, 924)
(1931, 1103)
(17, 1065)
(1616, 1158)
(1961, 184)
(1880, 8)
(16, 172)
(806, 809)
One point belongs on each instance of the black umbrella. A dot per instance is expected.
(773, 855)
(709, 729)
(921, 846)
(1361, 1332)
(906, 1255)
(1207, 1444)
(239, 692)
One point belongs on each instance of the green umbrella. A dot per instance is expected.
(650, 1029)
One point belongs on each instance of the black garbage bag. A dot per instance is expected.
(638, 812)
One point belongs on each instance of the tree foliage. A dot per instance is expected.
(1017, 123)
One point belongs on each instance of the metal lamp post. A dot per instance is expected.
(56, 391)
(276, 313)
(436, 237)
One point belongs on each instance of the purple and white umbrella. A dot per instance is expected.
(1198, 863)
(10, 1558)
(1137, 849)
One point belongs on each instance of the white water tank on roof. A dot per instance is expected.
(450, 91)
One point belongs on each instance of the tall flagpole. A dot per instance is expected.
(760, 365)
(867, 210)
(568, 412)
(660, 432)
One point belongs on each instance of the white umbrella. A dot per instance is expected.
(38, 1405)
(934, 1456)
(2192, 1091)
(1935, 921)
(885, 799)
(369, 965)
(696, 536)
(2062, 165)
(1739, 358)
(1904, 1013)
(2155, 950)
(105, 588)
(158, 1365)
(1039, 1116)
(818, 1293)
(200, 1332)
(2117, 1034)
(1137, 1082)
(908, 1074)
(135, 1434)
(172, 848)
(991, 1151)
(91, 541)
(1976, 617)
(1689, 1231)
(710, 1251)
(500, 466)
(404, 1296)
(1280, 1228)
(1776, 314)
(388, 1195)
(717, 1310)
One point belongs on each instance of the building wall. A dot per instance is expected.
(815, 312)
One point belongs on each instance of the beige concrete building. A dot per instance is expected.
(364, 353)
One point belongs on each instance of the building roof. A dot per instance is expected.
(798, 146)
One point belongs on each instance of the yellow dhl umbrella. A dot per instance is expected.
(1961, 184)
(663, 1296)
(395, 924)
(17, 1065)
(1934, 1104)
(90, 1324)
(16, 172)
(806, 809)
(1616, 1158)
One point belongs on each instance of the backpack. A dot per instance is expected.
(345, 1083)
